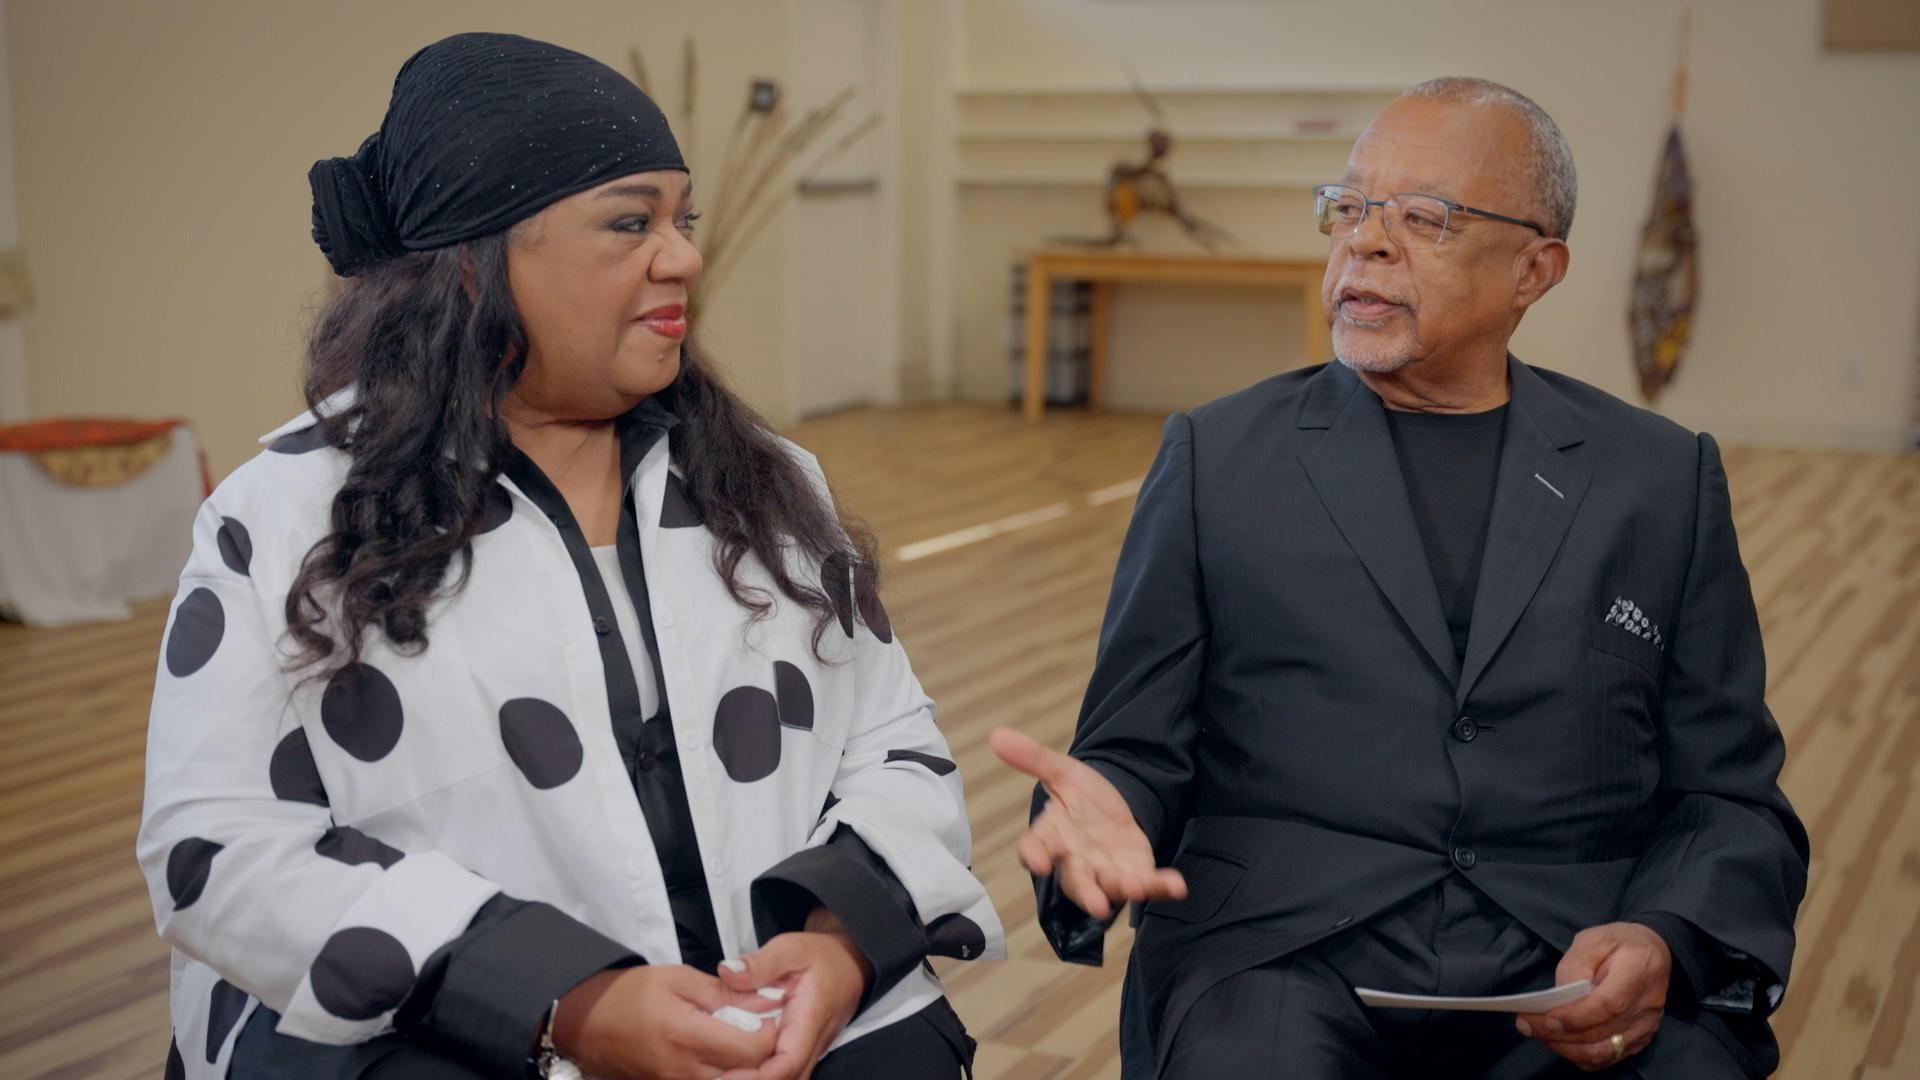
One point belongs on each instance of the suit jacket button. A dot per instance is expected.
(1465, 729)
(1463, 857)
(602, 626)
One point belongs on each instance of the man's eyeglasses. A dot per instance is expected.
(1415, 222)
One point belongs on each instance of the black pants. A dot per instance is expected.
(929, 1045)
(1298, 1017)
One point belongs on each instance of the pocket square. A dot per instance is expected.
(1627, 615)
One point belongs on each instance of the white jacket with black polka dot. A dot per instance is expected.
(309, 843)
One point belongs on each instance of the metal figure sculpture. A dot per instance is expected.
(1134, 189)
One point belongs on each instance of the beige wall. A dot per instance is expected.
(161, 152)
(13, 358)
(1804, 165)
(923, 139)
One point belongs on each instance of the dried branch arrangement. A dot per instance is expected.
(768, 154)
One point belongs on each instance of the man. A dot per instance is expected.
(1431, 672)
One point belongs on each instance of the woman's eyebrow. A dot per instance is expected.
(636, 188)
(642, 189)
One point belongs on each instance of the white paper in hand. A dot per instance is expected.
(1535, 1002)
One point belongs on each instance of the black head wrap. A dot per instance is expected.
(483, 131)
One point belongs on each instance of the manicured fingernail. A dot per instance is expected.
(1525, 1028)
(736, 966)
(773, 993)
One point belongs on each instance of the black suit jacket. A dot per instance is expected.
(1279, 700)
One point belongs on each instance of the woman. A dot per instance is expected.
(529, 676)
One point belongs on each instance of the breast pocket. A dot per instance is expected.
(389, 730)
(357, 789)
(1621, 644)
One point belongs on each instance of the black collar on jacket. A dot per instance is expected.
(1536, 495)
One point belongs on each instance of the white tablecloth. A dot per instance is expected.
(82, 554)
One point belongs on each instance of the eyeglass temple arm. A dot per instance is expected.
(1534, 225)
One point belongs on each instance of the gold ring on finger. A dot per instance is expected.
(1619, 1044)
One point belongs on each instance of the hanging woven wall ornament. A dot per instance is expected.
(1666, 281)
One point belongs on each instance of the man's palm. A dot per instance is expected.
(1087, 832)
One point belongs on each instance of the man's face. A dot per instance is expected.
(1390, 306)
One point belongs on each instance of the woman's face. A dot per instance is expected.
(601, 281)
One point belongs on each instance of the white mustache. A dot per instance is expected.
(1347, 290)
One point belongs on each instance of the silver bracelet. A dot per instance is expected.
(551, 1065)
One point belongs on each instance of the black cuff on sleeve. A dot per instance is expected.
(847, 878)
(484, 995)
(1709, 975)
(1689, 972)
(1076, 937)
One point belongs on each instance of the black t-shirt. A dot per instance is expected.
(1450, 461)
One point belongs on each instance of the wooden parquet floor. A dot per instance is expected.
(1002, 538)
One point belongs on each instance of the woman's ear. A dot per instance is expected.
(519, 233)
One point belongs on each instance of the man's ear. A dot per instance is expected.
(1542, 264)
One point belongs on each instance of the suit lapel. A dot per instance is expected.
(1354, 471)
(1536, 494)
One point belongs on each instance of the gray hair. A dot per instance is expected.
(1549, 158)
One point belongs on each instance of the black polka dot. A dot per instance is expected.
(497, 512)
(222, 1013)
(298, 442)
(361, 711)
(940, 766)
(236, 547)
(746, 733)
(188, 865)
(176, 1068)
(361, 973)
(541, 741)
(794, 694)
(292, 772)
(198, 625)
(676, 506)
(836, 580)
(956, 936)
(353, 847)
(867, 590)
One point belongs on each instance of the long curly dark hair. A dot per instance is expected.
(433, 342)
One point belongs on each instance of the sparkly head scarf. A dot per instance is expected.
(483, 131)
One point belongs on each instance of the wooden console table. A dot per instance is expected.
(1103, 268)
